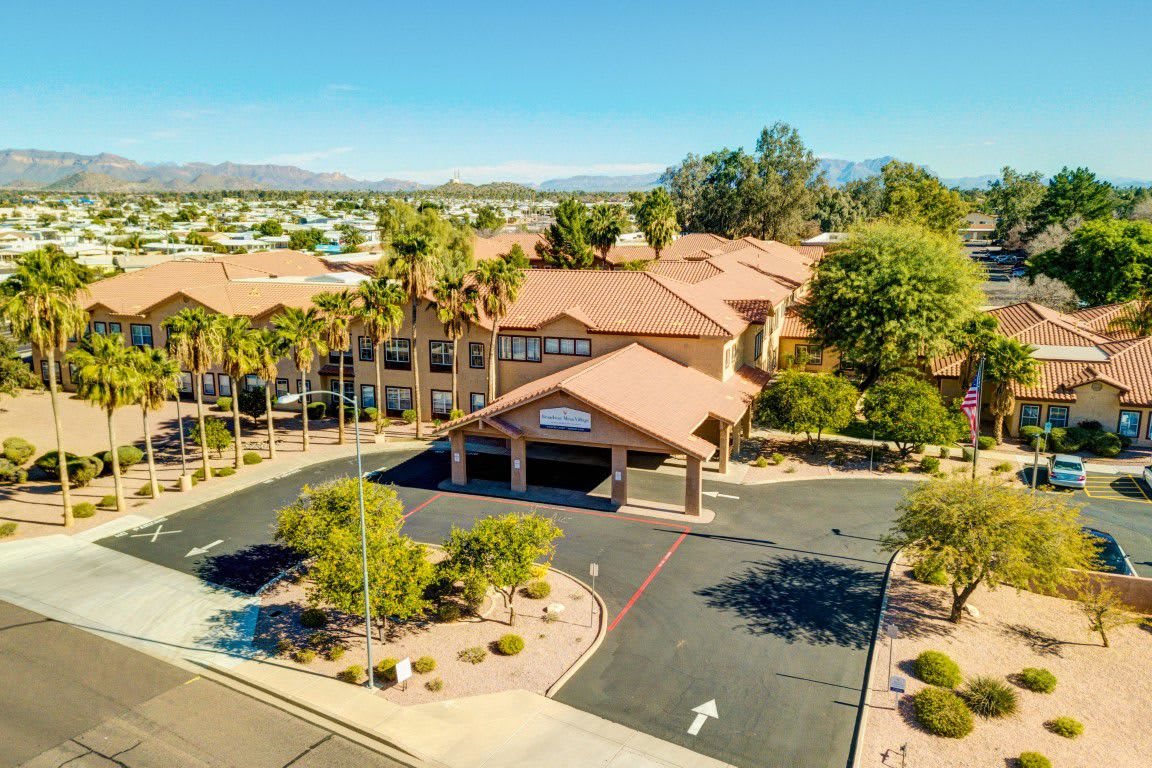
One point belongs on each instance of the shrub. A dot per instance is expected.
(1037, 679)
(353, 674)
(929, 570)
(537, 590)
(1004, 466)
(1067, 727)
(303, 655)
(966, 454)
(777, 458)
(945, 452)
(7, 529)
(936, 668)
(86, 509)
(1058, 440)
(127, 454)
(942, 713)
(901, 468)
(369, 414)
(83, 470)
(761, 462)
(929, 464)
(251, 457)
(313, 618)
(386, 669)
(473, 655)
(1090, 425)
(107, 501)
(284, 647)
(1031, 434)
(424, 665)
(990, 697)
(317, 410)
(146, 490)
(11, 473)
(224, 403)
(1106, 444)
(435, 684)
(510, 645)
(986, 443)
(409, 416)
(335, 653)
(223, 471)
(456, 413)
(448, 612)
(1034, 760)
(18, 450)
(50, 462)
(475, 588)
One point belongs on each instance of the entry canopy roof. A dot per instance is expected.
(644, 390)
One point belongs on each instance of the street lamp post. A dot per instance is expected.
(292, 398)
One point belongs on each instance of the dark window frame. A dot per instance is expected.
(208, 377)
(432, 401)
(472, 407)
(572, 341)
(99, 327)
(151, 338)
(282, 386)
(1067, 415)
(114, 327)
(366, 352)
(388, 410)
(363, 389)
(505, 348)
(220, 379)
(475, 352)
(398, 344)
(1139, 423)
(441, 367)
(1038, 414)
(809, 358)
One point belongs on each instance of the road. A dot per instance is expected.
(71, 697)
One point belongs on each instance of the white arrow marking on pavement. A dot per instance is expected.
(159, 531)
(715, 494)
(203, 549)
(703, 712)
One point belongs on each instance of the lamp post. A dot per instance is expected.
(292, 398)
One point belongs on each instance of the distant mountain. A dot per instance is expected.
(67, 171)
(637, 183)
(840, 172)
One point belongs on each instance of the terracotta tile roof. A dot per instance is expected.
(754, 310)
(683, 270)
(645, 390)
(692, 243)
(794, 326)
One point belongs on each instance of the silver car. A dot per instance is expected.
(1067, 471)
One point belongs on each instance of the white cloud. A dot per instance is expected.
(305, 159)
(343, 87)
(523, 171)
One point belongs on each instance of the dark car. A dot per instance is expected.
(1112, 557)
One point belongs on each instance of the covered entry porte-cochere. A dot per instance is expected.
(629, 402)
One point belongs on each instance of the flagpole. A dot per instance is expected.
(976, 421)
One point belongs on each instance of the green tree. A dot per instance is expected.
(499, 281)
(808, 402)
(891, 294)
(605, 225)
(912, 195)
(976, 336)
(836, 210)
(159, 380)
(194, 342)
(686, 185)
(780, 193)
(455, 299)
(1007, 364)
(305, 239)
(868, 195)
(270, 350)
(909, 411)
(302, 333)
(392, 218)
(15, 374)
(351, 238)
(270, 228)
(1104, 261)
(216, 437)
(381, 311)
(239, 356)
(503, 550)
(1105, 609)
(40, 300)
(986, 532)
(488, 219)
(1013, 199)
(107, 378)
(565, 242)
(337, 310)
(1135, 319)
(1074, 194)
(656, 217)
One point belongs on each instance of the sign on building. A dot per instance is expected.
(565, 418)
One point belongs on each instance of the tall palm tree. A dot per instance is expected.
(499, 281)
(337, 310)
(455, 297)
(106, 376)
(238, 358)
(303, 333)
(41, 302)
(605, 225)
(1008, 363)
(1136, 317)
(656, 216)
(194, 341)
(382, 313)
(159, 379)
(270, 350)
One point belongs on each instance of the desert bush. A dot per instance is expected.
(128, 455)
(313, 618)
(435, 684)
(1004, 466)
(303, 655)
(83, 469)
(251, 457)
(456, 413)
(1037, 679)
(409, 416)
(18, 450)
(317, 410)
(146, 490)
(284, 647)
(335, 652)
(1106, 444)
(929, 570)
(945, 452)
(107, 501)
(386, 669)
(936, 668)
(12, 473)
(1033, 760)
(901, 468)
(369, 414)
(1067, 727)
(929, 464)
(966, 454)
(537, 590)
(223, 471)
(942, 713)
(510, 645)
(986, 443)
(473, 655)
(50, 461)
(86, 509)
(424, 665)
(7, 529)
(1031, 434)
(778, 458)
(760, 462)
(448, 612)
(990, 697)
(224, 403)
(352, 674)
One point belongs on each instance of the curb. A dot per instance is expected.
(854, 754)
(601, 633)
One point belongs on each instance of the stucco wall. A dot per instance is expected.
(829, 364)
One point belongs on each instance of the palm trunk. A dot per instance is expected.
(116, 481)
(198, 389)
(416, 378)
(271, 426)
(379, 390)
(304, 407)
(152, 481)
(492, 363)
(339, 401)
(65, 491)
(236, 424)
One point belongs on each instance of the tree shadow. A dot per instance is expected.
(1040, 643)
(917, 610)
(248, 569)
(803, 599)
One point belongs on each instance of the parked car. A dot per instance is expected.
(1019, 271)
(1148, 475)
(1067, 471)
(1112, 556)
(1005, 258)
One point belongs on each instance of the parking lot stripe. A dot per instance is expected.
(419, 507)
(636, 595)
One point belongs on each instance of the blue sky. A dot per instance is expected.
(529, 91)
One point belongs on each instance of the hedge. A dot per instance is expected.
(317, 410)
(18, 450)
(224, 403)
(11, 473)
(936, 668)
(50, 461)
(128, 455)
(83, 470)
(409, 416)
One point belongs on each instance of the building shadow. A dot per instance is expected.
(803, 599)
(247, 570)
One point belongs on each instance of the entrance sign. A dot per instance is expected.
(565, 418)
(897, 684)
(403, 669)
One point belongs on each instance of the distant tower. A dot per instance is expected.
(455, 177)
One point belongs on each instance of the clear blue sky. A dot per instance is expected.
(528, 91)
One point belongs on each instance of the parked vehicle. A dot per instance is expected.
(1148, 475)
(1019, 271)
(1112, 556)
(1067, 471)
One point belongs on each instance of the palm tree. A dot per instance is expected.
(41, 304)
(499, 281)
(159, 379)
(455, 299)
(656, 216)
(604, 227)
(270, 349)
(238, 358)
(303, 333)
(107, 376)
(382, 313)
(1008, 363)
(194, 341)
(337, 310)
(1136, 317)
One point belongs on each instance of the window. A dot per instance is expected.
(225, 385)
(281, 387)
(398, 355)
(44, 371)
(72, 372)
(579, 347)
(475, 401)
(809, 354)
(141, 335)
(1058, 415)
(367, 396)
(1029, 416)
(519, 348)
(114, 328)
(441, 404)
(252, 381)
(349, 391)
(367, 350)
(303, 386)
(397, 400)
(185, 383)
(729, 355)
(475, 355)
(440, 356)
(758, 346)
(209, 384)
(1129, 424)
(100, 327)
(335, 359)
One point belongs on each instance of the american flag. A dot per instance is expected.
(971, 403)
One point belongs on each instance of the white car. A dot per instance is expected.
(1148, 475)
(1067, 471)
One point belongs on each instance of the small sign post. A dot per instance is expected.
(897, 684)
(593, 571)
(404, 671)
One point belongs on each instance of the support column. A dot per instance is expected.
(738, 437)
(725, 447)
(519, 464)
(459, 457)
(619, 475)
(692, 488)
